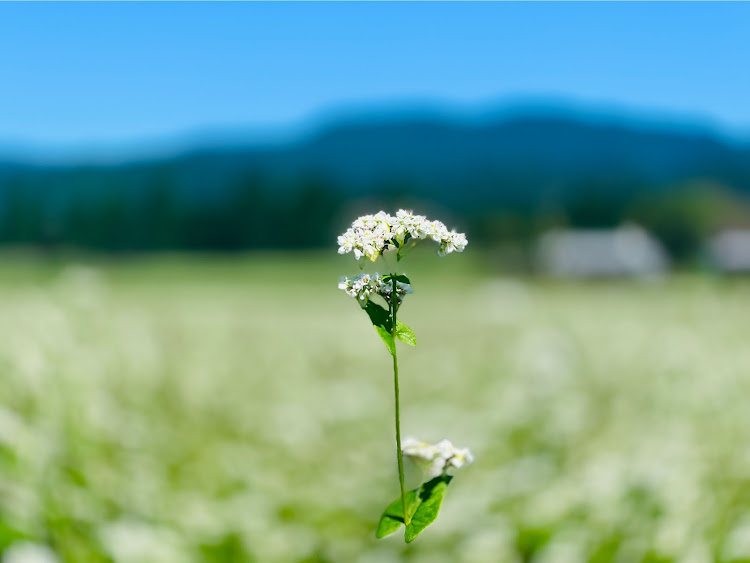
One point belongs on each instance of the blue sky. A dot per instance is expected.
(112, 72)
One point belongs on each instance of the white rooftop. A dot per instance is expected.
(729, 250)
(625, 251)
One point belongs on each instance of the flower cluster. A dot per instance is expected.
(437, 458)
(363, 286)
(371, 235)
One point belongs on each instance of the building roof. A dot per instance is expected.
(625, 251)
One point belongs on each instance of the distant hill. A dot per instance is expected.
(517, 161)
(507, 158)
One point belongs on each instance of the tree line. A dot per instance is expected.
(254, 214)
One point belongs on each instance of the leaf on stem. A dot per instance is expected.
(381, 320)
(393, 517)
(423, 505)
(401, 278)
(387, 338)
(428, 504)
(405, 334)
(378, 315)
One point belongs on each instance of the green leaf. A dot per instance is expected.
(427, 506)
(405, 334)
(387, 338)
(393, 517)
(388, 278)
(381, 320)
(423, 505)
(379, 316)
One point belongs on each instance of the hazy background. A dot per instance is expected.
(238, 127)
(181, 379)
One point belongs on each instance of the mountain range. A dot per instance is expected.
(513, 157)
(518, 160)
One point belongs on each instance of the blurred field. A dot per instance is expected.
(194, 409)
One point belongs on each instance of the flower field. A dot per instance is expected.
(172, 409)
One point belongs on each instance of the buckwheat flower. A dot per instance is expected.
(360, 287)
(347, 242)
(460, 457)
(384, 218)
(399, 228)
(417, 450)
(419, 227)
(436, 230)
(436, 459)
(452, 241)
(371, 235)
(444, 448)
(368, 236)
(406, 223)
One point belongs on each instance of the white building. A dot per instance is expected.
(627, 251)
(729, 251)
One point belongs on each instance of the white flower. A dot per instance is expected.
(363, 286)
(360, 287)
(436, 458)
(371, 235)
(413, 225)
(436, 230)
(368, 236)
(415, 449)
(452, 241)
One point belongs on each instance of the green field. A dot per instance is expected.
(240, 409)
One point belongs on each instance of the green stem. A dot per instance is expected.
(399, 453)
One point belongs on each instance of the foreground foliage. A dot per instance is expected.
(209, 412)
